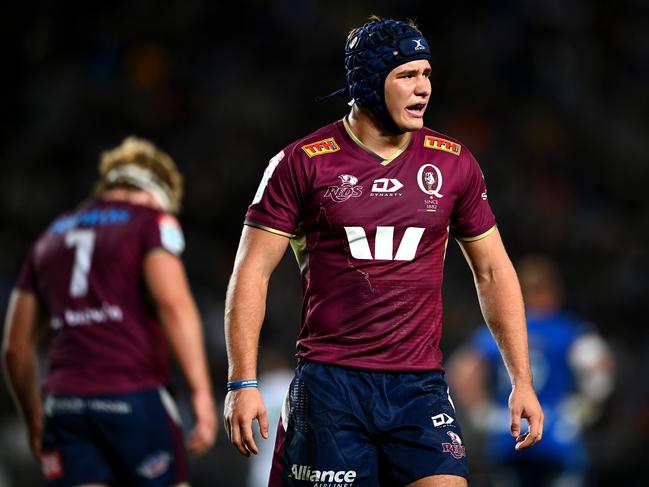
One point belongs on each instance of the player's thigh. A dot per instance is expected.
(440, 481)
(143, 435)
(422, 436)
(320, 439)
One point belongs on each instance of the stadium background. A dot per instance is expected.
(551, 96)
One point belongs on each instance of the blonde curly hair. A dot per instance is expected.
(138, 163)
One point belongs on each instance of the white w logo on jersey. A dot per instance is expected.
(383, 243)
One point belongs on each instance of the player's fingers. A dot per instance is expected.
(247, 437)
(515, 426)
(236, 439)
(201, 439)
(536, 427)
(263, 424)
(228, 427)
(532, 436)
(35, 444)
(195, 445)
(208, 429)
(524, 441)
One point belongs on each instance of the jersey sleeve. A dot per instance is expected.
(277, 205)
(472, 218)
(162, 231)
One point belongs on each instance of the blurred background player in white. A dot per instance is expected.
(573, 375)
(107, 283)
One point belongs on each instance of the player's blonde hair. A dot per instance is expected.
(137, 162)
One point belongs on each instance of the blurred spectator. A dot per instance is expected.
(573, 374)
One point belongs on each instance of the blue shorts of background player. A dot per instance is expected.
(130, 439)
(353, 428)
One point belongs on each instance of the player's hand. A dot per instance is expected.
(242, 407)
(203, 435)
(523, 403)
(34, 437)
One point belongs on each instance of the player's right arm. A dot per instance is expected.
(257, 257)
(20, 361)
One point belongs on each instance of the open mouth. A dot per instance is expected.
(416, 109)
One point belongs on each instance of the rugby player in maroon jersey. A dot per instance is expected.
(368, 204)
(106, 280)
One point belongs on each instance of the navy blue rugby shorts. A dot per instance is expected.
(343, 427)
(132, 439)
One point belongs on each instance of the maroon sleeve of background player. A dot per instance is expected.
(472, 215)
(150, 230)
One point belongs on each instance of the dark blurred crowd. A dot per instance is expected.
(550, 96)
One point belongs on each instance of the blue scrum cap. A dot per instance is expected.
(371, 52)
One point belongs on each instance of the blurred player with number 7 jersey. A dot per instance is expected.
(108, 282)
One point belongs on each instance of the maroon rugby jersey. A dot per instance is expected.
(86, 271)
(370, 237)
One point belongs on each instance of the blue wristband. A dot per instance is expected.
(241, 384)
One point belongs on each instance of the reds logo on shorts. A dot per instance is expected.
(456, 448)
(51, 464)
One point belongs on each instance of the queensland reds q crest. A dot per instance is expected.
(346, 190)
(429, 179)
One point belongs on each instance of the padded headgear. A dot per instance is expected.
(371, 52)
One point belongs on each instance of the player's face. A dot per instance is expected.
(407, 91)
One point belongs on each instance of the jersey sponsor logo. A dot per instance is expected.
(438, 143)
(324, 478)
(348, 189)
(385, 185)
(321, 147)
(77, 405)
(455, 448)
(91, 218)
(155, 465)
(63, 405)
(51, 464)
(109, 406)
(442, 419)
(88, 316)
(171, 235)
(429, 179)
(383, 243)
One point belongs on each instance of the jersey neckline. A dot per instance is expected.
(355, 143)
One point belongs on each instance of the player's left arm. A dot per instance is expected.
(167, 282)
(23, 330)
(502, 306)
